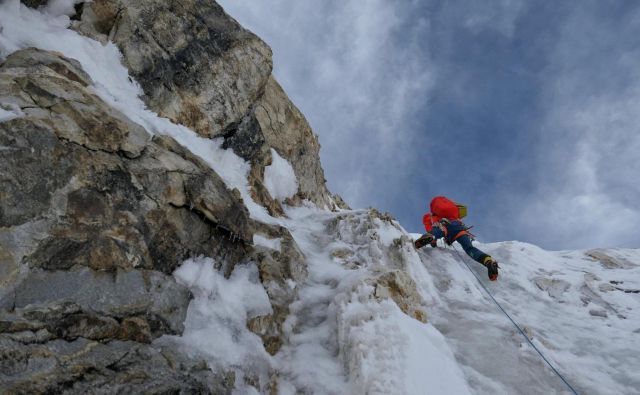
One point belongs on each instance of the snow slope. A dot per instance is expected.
(361, 345)
(279, 178)
(579, 308)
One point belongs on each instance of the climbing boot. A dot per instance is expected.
(492, 268)
(425, 239)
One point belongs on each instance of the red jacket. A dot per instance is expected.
(441, 207)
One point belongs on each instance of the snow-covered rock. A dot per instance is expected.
(279, 178)
(138, 253)
(204, 71)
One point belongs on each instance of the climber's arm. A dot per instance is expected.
(437, 233)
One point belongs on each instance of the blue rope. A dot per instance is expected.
(516, 325)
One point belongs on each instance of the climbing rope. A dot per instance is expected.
(515, 324)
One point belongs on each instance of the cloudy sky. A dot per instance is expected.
(527, 111)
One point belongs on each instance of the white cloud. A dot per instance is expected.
(589, 168)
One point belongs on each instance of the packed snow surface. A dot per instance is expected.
(264, 241)
(215, 326)
(342, 340)
(580, 308)
(279, 178)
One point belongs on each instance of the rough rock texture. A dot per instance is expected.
(157, 304)
(278, 269)
(400, 287)
(196, 65)
(203, 70)
(107, 196)
(287, 131)
(95, 215)
(34, 3)
(84, 366)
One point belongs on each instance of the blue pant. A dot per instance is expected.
(453, 228)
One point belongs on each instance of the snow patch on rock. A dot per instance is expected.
(279, 178)
(216, 323)
(263, 241)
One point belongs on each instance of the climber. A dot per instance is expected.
(444, 222)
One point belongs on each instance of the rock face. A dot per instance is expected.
(398, 286)
(96, 213)
(84, 366)
(286, 130)
(196, 65)
(203, 70)
(106, 195)
(277, 270)
(95, 216)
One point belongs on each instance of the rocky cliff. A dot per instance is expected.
(200, 68)
(165, 228)
(97, 212)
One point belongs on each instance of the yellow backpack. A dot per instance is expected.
(462, 210)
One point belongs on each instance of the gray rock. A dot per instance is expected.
(287, 131)
(34, 166)
(85, 169)
(598, 313)
(34, 3)
(206, 72)
(95, 214)
(83, 366)
(278, 270)
(245, 138)
(196, 65)
(121, 294)
(34, 57)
